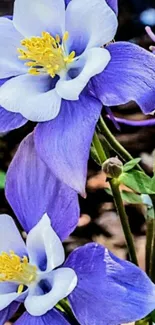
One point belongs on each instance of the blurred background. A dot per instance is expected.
(99, 221)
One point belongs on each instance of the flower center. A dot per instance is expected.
(16, 269)
(46, 54)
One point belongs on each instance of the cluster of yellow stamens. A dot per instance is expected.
(46, 54)
(16, 269)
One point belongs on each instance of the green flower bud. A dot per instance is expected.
(113, 167)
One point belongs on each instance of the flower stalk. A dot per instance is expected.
(99, 149)
(152, 257)
(124, 219)
(114, 184)
(149, 245)
(116, 146)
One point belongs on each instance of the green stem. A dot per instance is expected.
(116, 146)
(65, 306)
(118, 202)
(152, 258)
(99, 148)
(149, 245)
(124, 219)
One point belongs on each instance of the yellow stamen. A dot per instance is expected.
(65, 36)
(20, 288)
(16, 269)
(46, 54)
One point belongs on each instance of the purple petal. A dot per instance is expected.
(8, 312)
(109, 290)
(53, 317)
(114, 5)
(112, 117)
(64, 143)
(149, 122)
(10, 121)
(33, 190)
(129, 76)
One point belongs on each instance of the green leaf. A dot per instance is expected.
(2, 179)
(153, 183)
(132, 198)
(128, 197)
(95, 156)
(131, 164)
(137, 181)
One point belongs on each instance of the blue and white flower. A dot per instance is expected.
(58, 68)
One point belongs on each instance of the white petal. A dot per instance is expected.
(63, 282)
(94, 61)
(44, 246)
(95, 20)
(31, 97)
(8, 293)
(32, 17)
(10, 238)
(10, 64)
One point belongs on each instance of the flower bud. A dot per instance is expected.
(113, 167)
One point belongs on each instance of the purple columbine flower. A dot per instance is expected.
(101, 288)
(57, 67)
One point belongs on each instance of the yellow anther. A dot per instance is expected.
(70, 57)
(16, 269)
(65, 36)
(57, 39)
(34, 72)
(20, 288)
(45, 54)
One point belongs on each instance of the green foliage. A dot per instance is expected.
(153, 183)
(95, 156)
(131, 197)
(131, 164)
(138, 181)
(2, 179)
